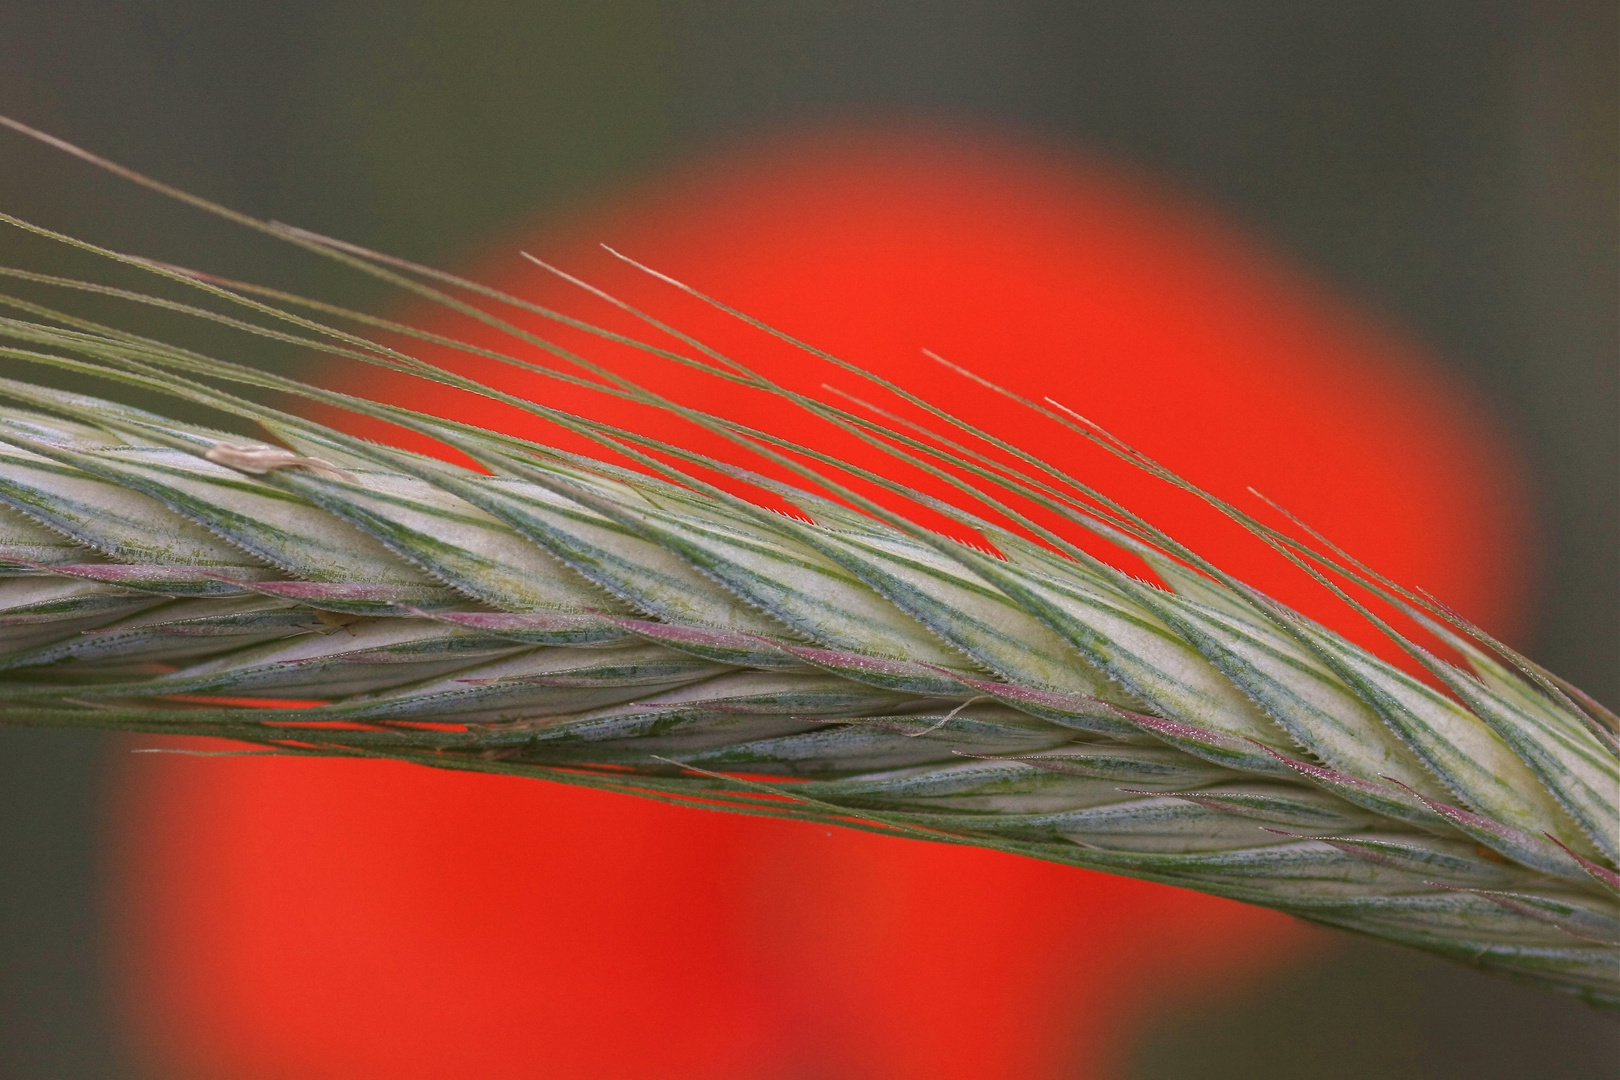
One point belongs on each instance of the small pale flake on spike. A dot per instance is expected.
(260, 460)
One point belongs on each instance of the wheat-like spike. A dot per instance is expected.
(653, 632)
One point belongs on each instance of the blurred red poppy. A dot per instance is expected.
(342, 919)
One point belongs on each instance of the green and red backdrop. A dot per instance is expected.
(1449, 166)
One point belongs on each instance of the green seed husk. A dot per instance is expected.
(654, 633)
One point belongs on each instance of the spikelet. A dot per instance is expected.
(654, 633)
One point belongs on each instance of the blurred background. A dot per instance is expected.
(1450, 166)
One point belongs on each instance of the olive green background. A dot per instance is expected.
(1449, 164)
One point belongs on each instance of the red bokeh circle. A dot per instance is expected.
(286, 917)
